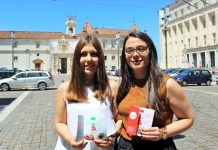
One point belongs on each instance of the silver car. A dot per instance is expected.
(28, 79)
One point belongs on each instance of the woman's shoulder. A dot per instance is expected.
(113, 84)
(64, 86)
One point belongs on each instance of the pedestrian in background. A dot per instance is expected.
(89, 91)
(144, 85)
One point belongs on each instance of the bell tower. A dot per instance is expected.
(71, 26)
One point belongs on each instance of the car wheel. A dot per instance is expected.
(5, 87)
(42, 86)
(184, 83)
(208, 83)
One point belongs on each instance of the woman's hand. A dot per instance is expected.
(151, 134)
(79, 145)
(104, 143)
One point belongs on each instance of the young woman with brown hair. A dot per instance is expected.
(88, 95)
(144, 85)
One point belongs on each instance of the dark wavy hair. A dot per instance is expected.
(154, 74)
(76, 89)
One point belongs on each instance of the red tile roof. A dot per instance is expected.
(105, 31)
(34, 35)
(100, 32)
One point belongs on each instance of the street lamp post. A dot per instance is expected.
(117, 36)
(13, 36)
(165, 21)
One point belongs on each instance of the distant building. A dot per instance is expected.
(53, 51)
(188, 34)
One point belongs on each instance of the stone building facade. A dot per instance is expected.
(53, 51)
(189, 34)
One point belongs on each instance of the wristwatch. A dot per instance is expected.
(164, 133)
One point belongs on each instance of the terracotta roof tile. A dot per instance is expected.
(34, 35)
(105, 31)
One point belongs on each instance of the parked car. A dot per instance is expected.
(176, 71)
(28, 79)
(3, 68)
(194, 76)
(6, 74)
(111, 72)
(117, 73)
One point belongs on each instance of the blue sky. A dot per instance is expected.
(50, 15)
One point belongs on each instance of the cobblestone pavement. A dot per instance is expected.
(31, 125)
(204, 133)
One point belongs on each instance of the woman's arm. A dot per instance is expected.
(61, 118)
(180, 106)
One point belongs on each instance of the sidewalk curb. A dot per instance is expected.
(7, 110)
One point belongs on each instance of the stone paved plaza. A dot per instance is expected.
(30, 126)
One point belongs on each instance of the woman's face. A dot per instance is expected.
(89, 60)
(137, 55)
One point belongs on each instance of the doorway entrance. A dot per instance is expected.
(37, 66)
(63, 65)
(37, 63)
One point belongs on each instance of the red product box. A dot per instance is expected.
(133, 120)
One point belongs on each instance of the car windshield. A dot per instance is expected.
(174, 71)
(185, 72)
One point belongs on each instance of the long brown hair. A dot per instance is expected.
(154, 74)
(76, 89)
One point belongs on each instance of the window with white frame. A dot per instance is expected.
(37, 44)
(15, 58)
(104, 44)
(205, 40)
(196, 41)
(112, 44)
(181, 28)
(195, 24)
(204, 23)
(189, 43)
(213, 20)
(214, 38)
(113, 57)
(187, 26)
(212, 58)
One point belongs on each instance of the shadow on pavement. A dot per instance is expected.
(5, 101)
(179, 136)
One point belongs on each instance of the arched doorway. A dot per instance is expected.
(37, 63)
